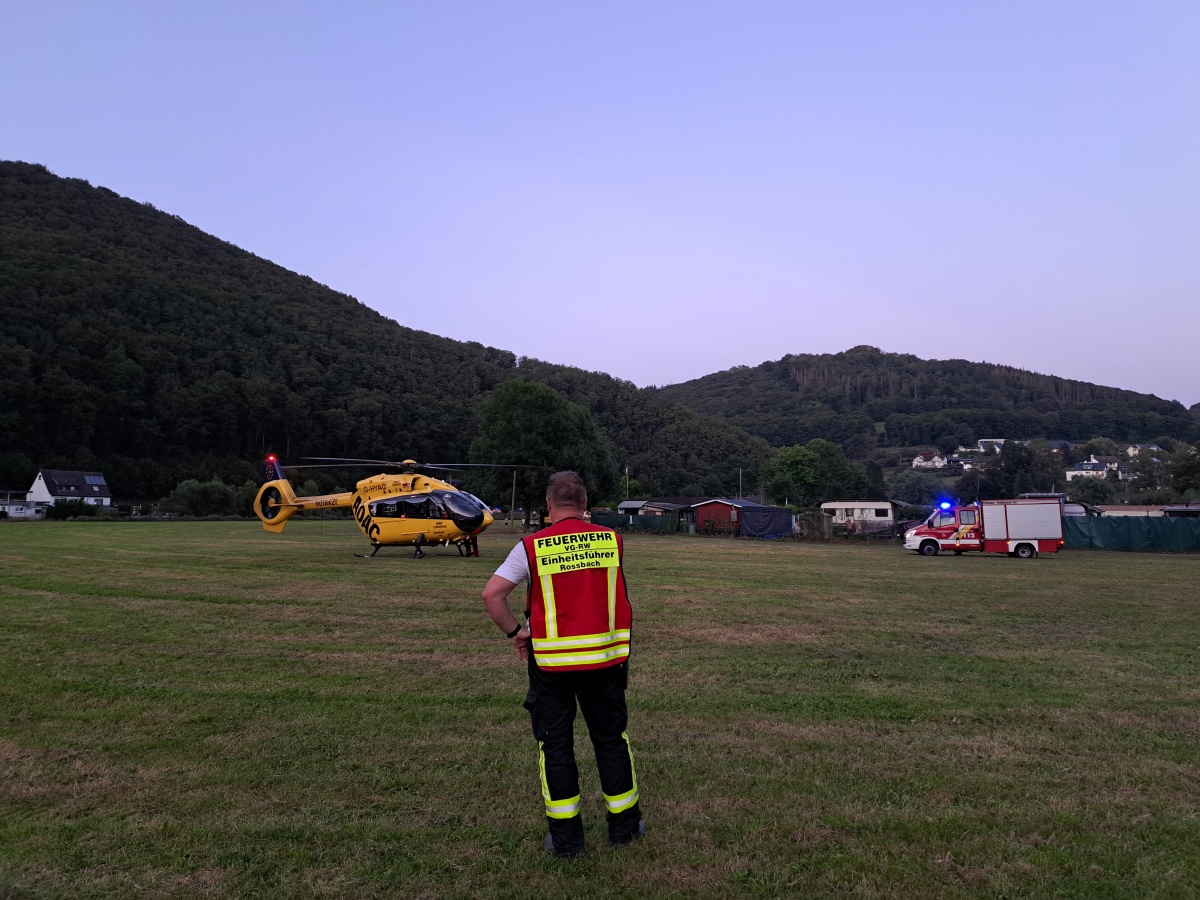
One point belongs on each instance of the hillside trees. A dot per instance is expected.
(1017, 469)
(917, 488)
(817, 471)
(922, 402)
(135, 344)
(1185, 469)
(1096, 491)
(527, 424)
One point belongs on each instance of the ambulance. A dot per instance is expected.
(1020, 528)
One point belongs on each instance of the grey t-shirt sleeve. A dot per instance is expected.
(516, 567)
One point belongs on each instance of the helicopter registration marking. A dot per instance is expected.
(571, 552)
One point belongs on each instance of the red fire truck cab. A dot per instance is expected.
(1020, 528)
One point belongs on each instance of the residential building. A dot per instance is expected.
(1087, 470)
(928, 461)
(1138, 449)
(53, 485)
(16, 505)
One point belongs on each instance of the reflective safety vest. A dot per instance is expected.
(579, 613)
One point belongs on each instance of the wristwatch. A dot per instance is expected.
(514, 632)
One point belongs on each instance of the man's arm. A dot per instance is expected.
(495, 600)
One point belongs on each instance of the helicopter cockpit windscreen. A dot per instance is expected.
(465, 510)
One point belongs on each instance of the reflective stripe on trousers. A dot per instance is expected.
(555, 809)
(621, 802)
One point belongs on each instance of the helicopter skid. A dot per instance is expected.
(467, 547)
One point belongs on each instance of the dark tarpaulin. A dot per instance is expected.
(1131, 533)
(658, 524)
(764, 521)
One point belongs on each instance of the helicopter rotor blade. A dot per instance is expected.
(477, 466)
(323, 465)
(349, 459)
(442, 467)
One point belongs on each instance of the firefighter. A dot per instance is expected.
(576, 644)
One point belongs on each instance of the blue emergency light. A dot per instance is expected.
(945, 505)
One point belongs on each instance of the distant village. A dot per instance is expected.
(967, 458)
(716, 515)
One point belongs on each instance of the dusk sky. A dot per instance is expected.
(660, 190)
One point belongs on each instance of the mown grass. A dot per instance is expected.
(206, 709)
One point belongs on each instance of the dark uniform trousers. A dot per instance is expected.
(601, 696)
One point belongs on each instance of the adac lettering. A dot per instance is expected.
(365, 522)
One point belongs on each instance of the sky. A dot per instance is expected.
(660, 190)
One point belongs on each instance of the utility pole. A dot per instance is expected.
(512, 508)
(739, 484)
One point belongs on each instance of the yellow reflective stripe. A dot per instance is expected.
(555, 809)
(563, 809)
(581, 640)
(621, 801)
(548, 600)
(624, 801)
(542, 772)
(570, 659)
(612, 599)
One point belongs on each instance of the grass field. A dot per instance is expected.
(207, 709)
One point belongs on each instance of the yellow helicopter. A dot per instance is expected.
(408, 508)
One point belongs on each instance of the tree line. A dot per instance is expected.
(137, 345)
(867, 396)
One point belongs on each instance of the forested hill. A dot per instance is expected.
(898, 399)
(136, 344)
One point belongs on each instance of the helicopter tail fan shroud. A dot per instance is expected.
(275, 504)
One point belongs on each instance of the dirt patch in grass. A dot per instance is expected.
(813, 836)
(199, 880)
(762, 634)
(1182, 721)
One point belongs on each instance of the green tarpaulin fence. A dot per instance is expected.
(1131, 533)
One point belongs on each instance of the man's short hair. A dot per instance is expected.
(567, 489)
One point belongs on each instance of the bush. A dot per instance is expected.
(201, 498)
(70, 509)
(1096, 491)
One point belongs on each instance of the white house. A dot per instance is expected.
(53, 485)
(1137, 449)
(1087, 470)
(14, 505)
(928, 461)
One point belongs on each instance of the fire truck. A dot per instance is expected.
(1020, 528)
